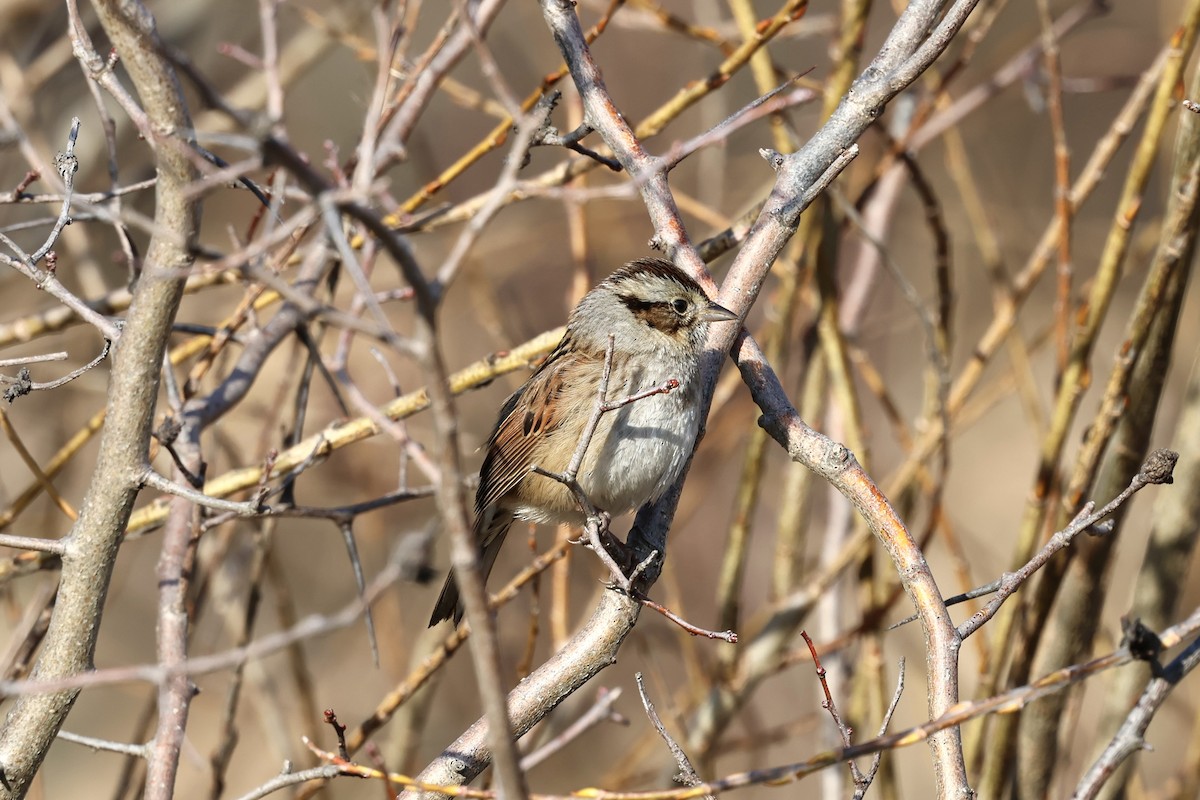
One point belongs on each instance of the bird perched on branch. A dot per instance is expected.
(656, 317)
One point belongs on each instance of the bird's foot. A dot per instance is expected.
(599, 538)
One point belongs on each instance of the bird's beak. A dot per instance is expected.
(717, 313)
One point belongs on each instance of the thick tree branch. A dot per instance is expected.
(91, 546)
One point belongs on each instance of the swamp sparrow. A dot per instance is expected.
(657, 317)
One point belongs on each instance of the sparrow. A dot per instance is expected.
(657, 317)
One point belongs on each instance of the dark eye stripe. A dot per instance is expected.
(638, 305)
(658, 314)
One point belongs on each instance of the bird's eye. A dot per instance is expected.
(680, 305)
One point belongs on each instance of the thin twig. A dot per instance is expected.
(16, 362)
(164, 484)
(1155, 470)
(687, 773)
(54, 546)
(860, 781)
(67, 164)
(23, 385)
(600, 711)
(135, 750)
(288, 778)
(725, 636)
(883, 726)
(1129, 738)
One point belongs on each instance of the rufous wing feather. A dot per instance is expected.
(527, 417)
(530, 416)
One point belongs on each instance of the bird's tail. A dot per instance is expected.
(449, 604)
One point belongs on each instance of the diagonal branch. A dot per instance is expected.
(799, 178)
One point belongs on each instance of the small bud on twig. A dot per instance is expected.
(772, 157)
(1158, 466)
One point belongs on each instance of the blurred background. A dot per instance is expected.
(521, 278)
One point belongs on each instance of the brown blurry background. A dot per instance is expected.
(518, 282)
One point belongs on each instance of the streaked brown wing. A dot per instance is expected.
(527, 417)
